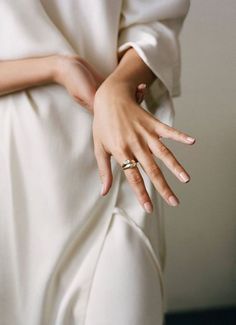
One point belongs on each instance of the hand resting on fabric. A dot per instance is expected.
(121, 127)
(72, 72)
(124, 130)
(82, 80)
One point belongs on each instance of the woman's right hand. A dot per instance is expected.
(79, 78)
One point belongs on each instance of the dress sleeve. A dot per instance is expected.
(152, 28)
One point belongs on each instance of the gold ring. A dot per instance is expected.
(129, 163)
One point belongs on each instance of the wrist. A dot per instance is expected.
(133, 70)
(116, 85)
(57, 67)
(117, 78)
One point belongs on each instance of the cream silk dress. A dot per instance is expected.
(69, 256)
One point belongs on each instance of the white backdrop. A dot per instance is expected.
(201, 232)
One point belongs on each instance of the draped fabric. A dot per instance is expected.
(69, 256)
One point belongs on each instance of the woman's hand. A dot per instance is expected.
(82, 81)
(72, 72)
(75, 74)
(79, 78)
(124, 130)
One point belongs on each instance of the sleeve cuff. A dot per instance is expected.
(160, 54)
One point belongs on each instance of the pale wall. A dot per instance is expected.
(201, 232)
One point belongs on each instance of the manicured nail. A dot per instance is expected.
(103, 189)
(190, 140)
(142, 86)
(173, 201)
(148, 207)
(184, 177)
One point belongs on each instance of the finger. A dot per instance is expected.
(140, 92)
(162, 152)
(148, 163)
(136, 182)
(169, 132)
(139, 97)
(104, 167)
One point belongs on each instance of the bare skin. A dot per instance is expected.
(121, 127)
(72, 72)
(124, 130)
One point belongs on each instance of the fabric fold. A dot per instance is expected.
(153, 29)
(117, 281)
(59, 239)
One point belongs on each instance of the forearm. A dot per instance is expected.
(24, 73)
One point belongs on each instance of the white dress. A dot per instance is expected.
(69, 256)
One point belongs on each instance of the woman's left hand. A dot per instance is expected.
(124, 130)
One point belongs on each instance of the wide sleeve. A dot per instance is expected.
(152, 28)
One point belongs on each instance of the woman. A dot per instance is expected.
(72, 75)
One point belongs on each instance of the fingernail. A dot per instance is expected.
(103, 189)
(148, 207)
(173, 201)
(184, 177)
(190, 140)
(142, 86)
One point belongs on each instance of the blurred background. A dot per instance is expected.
(201, 232)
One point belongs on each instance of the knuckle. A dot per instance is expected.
(166, 192)
(177, 133)
(154, 171)
(120, 148)
(164, 128)
(167, 128)
(172, 132)
(102, 173)
(171, 161)
(134, 178)
(177, 167)
(153, 138)
(143, 197)
(163, 150)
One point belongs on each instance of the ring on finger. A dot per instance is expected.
(129, 163)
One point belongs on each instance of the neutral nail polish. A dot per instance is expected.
(142, 86)
(148, 207)
(184, 177)
(190, 140)
(173, 201)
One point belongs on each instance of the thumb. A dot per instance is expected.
(104, 167)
